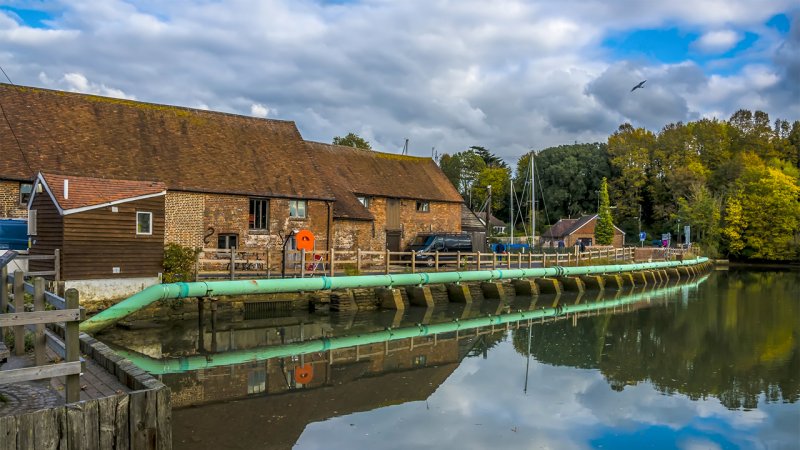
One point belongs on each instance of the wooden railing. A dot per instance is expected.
(55, 257)
(48, 308)
(234, 263)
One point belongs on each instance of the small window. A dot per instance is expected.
(423, 206)
(364, 201)
(32, 222)
(228, 241)
(257, 381)
(259, 214)
(25, 190)
(144, 223)
(297, 208)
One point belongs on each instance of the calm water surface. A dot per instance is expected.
(713, 365)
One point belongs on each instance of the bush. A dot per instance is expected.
(179, 263)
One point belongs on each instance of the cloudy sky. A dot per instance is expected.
(508, 75)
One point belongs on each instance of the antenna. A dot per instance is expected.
(405, 148)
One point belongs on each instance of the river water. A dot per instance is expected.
(713, 364)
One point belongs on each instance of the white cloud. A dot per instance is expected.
(77, 82)
(259, 110)
(717, 41)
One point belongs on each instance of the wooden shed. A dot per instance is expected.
(573, 231)
(106, 229)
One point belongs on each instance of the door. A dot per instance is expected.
(392, 214)
(393, 241)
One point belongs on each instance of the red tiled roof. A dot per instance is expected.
(84, 191)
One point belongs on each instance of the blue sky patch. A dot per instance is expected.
(780, 22)
(29, 17)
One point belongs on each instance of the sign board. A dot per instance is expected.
(642, 236)
(687, 231)
(666, 237)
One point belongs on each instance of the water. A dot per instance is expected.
(712, 365)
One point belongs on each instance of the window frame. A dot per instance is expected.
(29, 193)
(364, 200)
(423, 206)
(253, 224)
(150, 223)
(294, 204)
(227, 237)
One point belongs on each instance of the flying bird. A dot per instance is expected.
(639, 86)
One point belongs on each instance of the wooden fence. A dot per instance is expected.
(234, 263)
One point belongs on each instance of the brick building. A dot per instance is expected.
(231, 180)
(573, 231)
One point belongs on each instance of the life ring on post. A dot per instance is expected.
(304, 374)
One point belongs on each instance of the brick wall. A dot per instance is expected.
(587, 232)
(9, 201)
(184, 222)
(443, 217)
(355, 234)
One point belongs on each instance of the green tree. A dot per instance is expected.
(629, 152)
(488, 157)
(604, 230)
(498, 178)
(352, 140)
(451, 166)
(702, 211)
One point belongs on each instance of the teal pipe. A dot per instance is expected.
(185, 364)
(169, 291)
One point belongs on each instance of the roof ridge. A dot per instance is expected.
(129, 102)
(369, 150)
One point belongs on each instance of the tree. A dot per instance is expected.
(604, 230)
(488, 157)
(497, 178)
(702, 211)
(629, 155)
(352, 140)
(451, 166)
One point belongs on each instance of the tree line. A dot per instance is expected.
(735, 182)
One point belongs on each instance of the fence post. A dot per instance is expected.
(268, 262)
(437, 260)
(3, 296)
(332, 258)
(57, 264)
(197, 265)
(38, 337)
(530, 259)
(302, 263)
(19, 306)
(494, 260)
(458, 260)
(387, 260)
(478, 262)
(413, 262)
(233, 263)
(73, 384)
(358, 261)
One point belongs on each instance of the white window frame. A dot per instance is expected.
(365, 201)
(25, 203)
(423, 206)
(148, 233)
(294, 205)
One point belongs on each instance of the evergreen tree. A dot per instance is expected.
(604, 230)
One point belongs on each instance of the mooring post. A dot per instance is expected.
(72, 344)
(38, 337)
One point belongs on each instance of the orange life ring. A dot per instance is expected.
(304, 240)
(304, 374)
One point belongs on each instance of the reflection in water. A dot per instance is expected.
(715, 365)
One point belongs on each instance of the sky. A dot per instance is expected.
(508, 75)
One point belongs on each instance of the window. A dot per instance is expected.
(257, 381)
(25, 190)
(144, 223)
(259, 214)
(228, 241)
(423, 206)
(364, 201)
(297, 208)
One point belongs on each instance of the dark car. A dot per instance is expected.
(13, 234)
(441, 242)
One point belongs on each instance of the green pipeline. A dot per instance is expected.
(169, 291)
(185, 364)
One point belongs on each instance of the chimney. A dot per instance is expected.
(66, 188)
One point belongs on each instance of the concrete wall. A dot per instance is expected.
(9, 201)
(97, 291)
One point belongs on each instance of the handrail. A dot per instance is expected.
(169, 291)
(185, 364)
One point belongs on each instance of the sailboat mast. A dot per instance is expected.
(533, 205)
(511, 210)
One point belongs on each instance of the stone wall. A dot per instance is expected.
(9, 201)
(355, 234)
(183, 215)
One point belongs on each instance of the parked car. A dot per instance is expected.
(441, 242)
(13, 234)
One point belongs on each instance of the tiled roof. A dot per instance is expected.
(470, 221)
(560, 229)
(187, 149)
(353, 172)
(494, 221)
(84, 191)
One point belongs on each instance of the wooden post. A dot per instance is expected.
(387, 261)
(332, 262)
(508, 262)
(233, 263)
(268, 262)
(437, 260)
(458, 260)
(494, 260)
(57, 264)
(3, 296)
(413, 263)
(478, 262)
(197, 266)
(72, 344)
(39, 343)
(530, 259)
(19, 306)
(302, 263)
(358, 261)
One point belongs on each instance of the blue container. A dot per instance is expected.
(13, 234)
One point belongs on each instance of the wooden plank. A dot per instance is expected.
(107, 408)
(164, 419)
(151, 419)
(39, 317)
(122, 430)
(25, 432)
(72, 342)
(61, 416)
(8, 433)
(42, 273)
(75, 427)
(138, 406)
(40, 372)
(91, 425)
(46, 433)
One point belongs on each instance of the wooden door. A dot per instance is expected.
(392, 214)
(393, 241)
